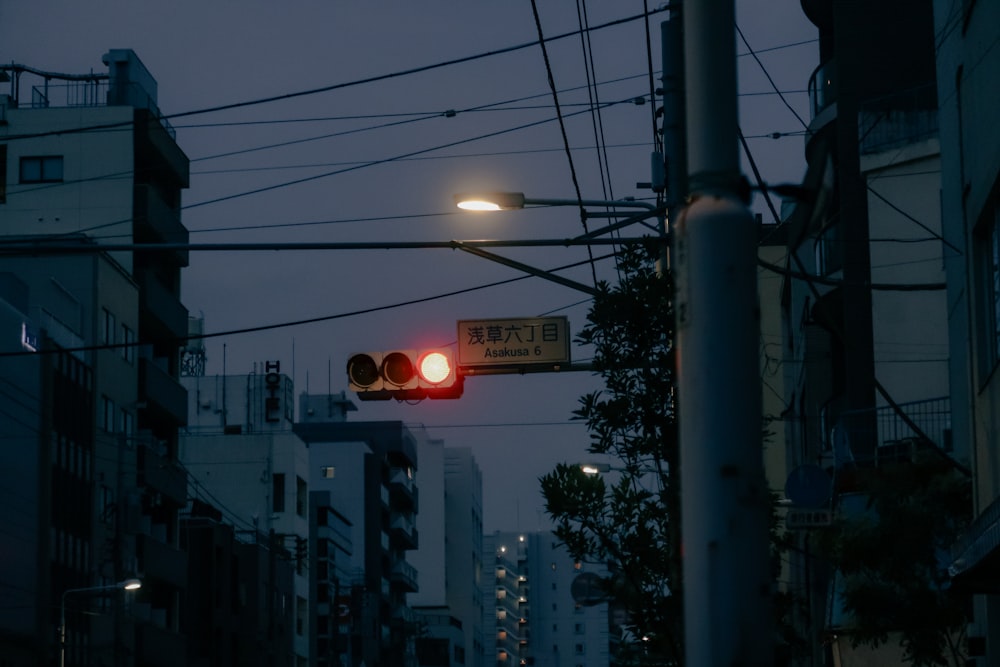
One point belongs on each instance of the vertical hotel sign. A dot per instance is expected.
(513, 342)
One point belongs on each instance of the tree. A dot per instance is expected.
(892, 559)
(631, 523)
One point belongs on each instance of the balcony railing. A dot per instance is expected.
(823, 87)
(887, 431)
(898, 119)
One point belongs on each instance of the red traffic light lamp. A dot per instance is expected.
(404, 375)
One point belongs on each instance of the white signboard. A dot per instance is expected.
(799, 518)
(513, 342)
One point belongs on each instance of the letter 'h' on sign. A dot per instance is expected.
(406, 375)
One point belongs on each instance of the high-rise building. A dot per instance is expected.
(96, 401)
(369, 469)
(532, 617)
(449, 561)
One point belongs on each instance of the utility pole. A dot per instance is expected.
(724, 495)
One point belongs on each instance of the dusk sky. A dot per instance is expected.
(380, 160)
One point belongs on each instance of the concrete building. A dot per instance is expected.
(968, 64)
(236, 581)
(864, 341)
(98, 404)
(369, 470)
(330, 583)
(449, 561)
(242, 455)
(532, 617)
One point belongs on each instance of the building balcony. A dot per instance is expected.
(897, 120)
(404, 576)
(402, 490)
(164, 396)
(164, 316)
(158, 222)
(822, 88)
(157, 151)
(161, 561)
(403, 532)
(157, 647)
(883, 436)
(162, 476)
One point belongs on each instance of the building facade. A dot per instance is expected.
(369, 469)
(532, 617)
(103, 404)
(449, 561)
(865, 341)
(968, 64)
(242, 455)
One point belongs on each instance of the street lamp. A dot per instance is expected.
(598, 468)
(509, 201)
(127, 585)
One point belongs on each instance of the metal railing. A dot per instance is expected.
(885, 427)
(899, 119)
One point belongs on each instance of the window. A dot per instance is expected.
(301, 496)
(278, 491)
(578, 628)
(42, 169)
(108, 328)
(127, 423)
(580, 650)
(108, 414)
(327, 472)
(128, 344)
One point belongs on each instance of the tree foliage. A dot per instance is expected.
(891, 558)
(630, 520)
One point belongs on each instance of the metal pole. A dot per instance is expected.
(724, 495)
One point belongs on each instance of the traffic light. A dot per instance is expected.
(404, 375)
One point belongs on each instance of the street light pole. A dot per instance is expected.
(724, 495)
(127, 585)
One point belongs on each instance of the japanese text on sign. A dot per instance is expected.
(540, 340)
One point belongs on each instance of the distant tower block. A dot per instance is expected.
(193, 353)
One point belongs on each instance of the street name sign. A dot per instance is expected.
(799, 518)
(513, 342)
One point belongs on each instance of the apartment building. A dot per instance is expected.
(99, 405)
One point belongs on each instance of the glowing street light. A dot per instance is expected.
(510, 201)
(127, 585)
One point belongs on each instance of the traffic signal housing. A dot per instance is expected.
(404, 375)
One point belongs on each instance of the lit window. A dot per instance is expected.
(327, 472)
(42, 169)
